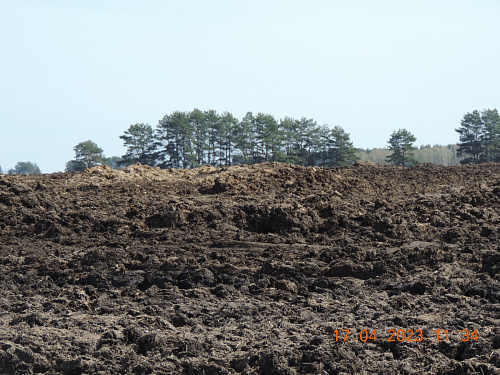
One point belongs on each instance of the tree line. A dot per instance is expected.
(192, 139)
(24, 167)
(196, 138)
(479, 135)
(434, 154)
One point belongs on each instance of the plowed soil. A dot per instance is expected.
(252, 270)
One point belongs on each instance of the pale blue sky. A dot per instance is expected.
(87, 69)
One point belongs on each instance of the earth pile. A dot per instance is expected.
(251, 269)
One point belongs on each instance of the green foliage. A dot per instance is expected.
(212, 126)
(491, 135)
(140, 143)
(471, 132)
(25, 167)
(268, 138)
(87, 155)
(479, 134)
(225, 139)
(301, 141)
(1, 172)
(115, 162)
(74, 166)
(340, 150)
(401, 145)
(197, 122)
(174, 140)
(244, 139)
(187, 140)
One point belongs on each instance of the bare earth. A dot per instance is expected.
(251, 270)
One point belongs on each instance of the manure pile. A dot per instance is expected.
(256, 269)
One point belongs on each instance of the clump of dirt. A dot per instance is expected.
(251, 269)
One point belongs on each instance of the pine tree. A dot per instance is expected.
(212, 124)
(226, 140)
(307, 140)
(288, 128)
(401, 145)
(198, 124)
(174, 139)
(471, 133)
(491, 137)
(341, 151)
(191, 139)
(87, 155)
(244, 139)
(140, 143)
(268, 139)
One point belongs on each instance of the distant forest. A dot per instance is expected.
(196, 138)
(437, 154)
(191, 139)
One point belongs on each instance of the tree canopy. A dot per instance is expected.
(479, 134)
(87, 154)
(195, 138)
(191, 139)
(25, 167)
(401, 145)
(115, 162)
(339, 150)
(140, 143)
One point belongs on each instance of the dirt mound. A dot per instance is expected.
(251, 269)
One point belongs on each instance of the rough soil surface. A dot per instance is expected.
(250, 270)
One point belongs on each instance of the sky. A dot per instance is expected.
(87, 69)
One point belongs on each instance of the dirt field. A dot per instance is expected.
(251, 270)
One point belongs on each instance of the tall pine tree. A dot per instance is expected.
(244, 139)
(340, 150)
(401, 145)
(471, 135)
(491, 135)
(174, 137)
(198, 124)
(140, 143)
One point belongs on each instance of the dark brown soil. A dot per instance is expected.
(251, 270)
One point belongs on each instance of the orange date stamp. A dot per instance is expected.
(405, 335)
